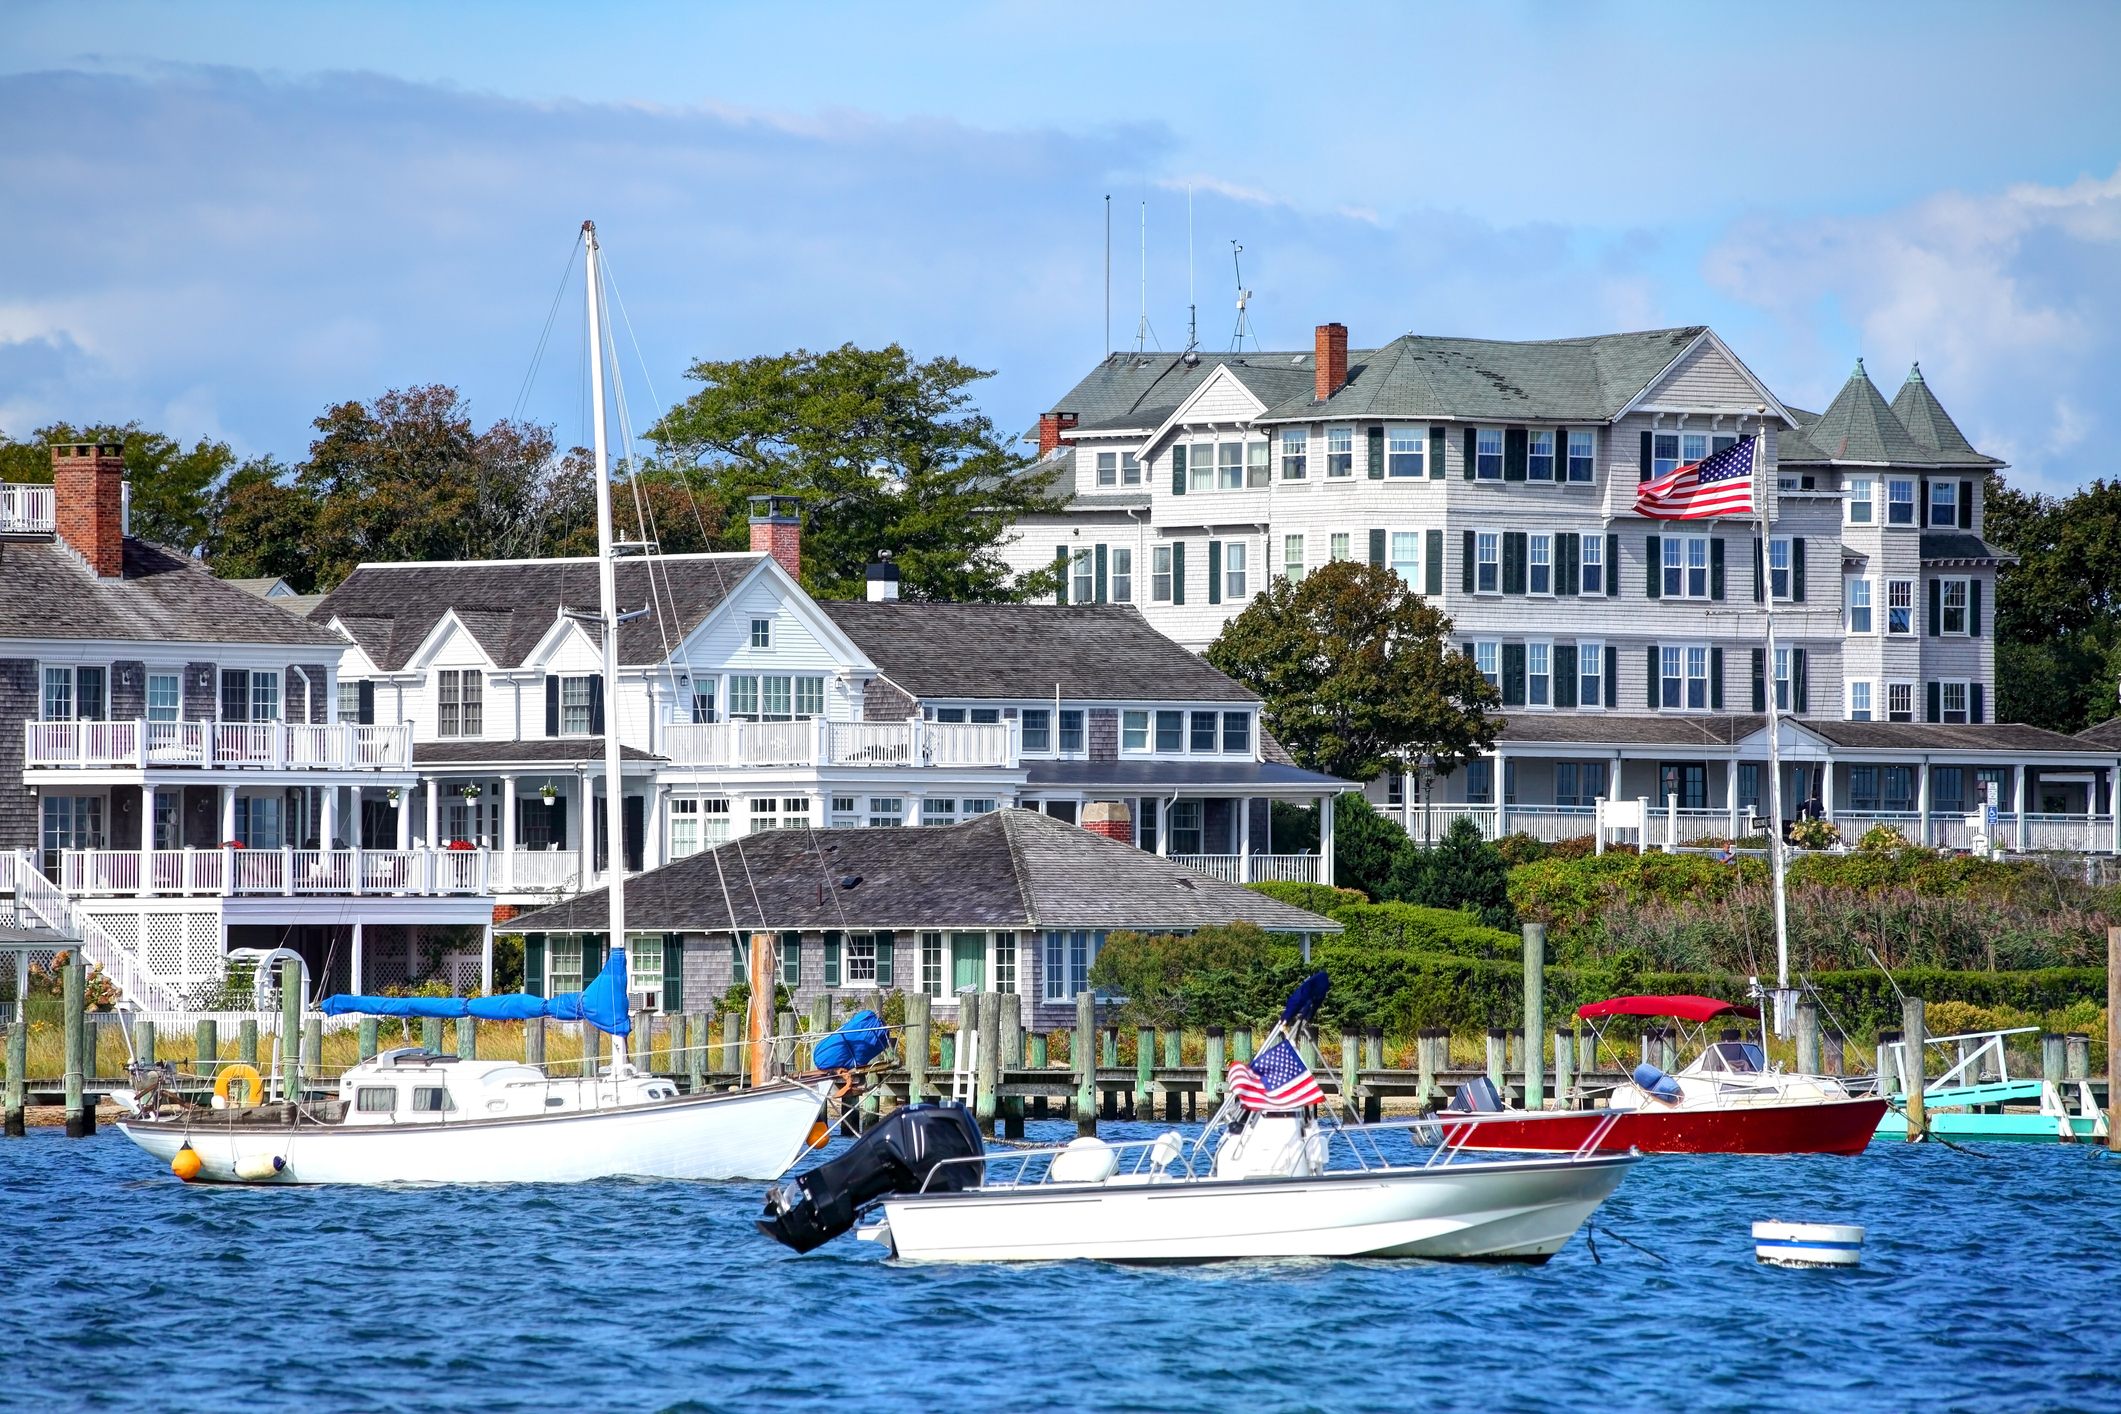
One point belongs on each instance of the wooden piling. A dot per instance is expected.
(1038, 1051)
(206, 1048)
(1174, 1048)
(1241, 1044)
(1498, 1060)
(1144, 1071)
(696, 1034)
(729, 1060)
(247, 1048)
(1350, 1067)
(1083, 1051)
(1535, 1015)
(987, 1058)
(1425, 1064)
(431, 1034)
(1911, 1024)
(784, 1042)
(313, 1045)
(2077, 1056)
(1888, 1070)
(1586, 1051)
(1668, 1050)
(916, 1046)
(15, 1125)
(2051, 1057)
(946, 1052)
(1830, 1052)
(2113, 1039)
(534, 1042)
(1373, 1048)
(73, 987)
(468, 1040)
(143, 1040)
(1009, 1019)
(1808, 1038)
(820, 1025)
(291, 1029)
(1215, 1053)
(1564, 1070)
(1109, 1048)
(371, 1033)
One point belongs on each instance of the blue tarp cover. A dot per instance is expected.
(860, 1039)
(602, 1004)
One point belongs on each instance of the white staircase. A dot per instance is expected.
(39, 903)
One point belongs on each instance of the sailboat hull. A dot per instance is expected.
(1796, 1127)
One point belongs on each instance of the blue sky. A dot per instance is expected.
(224, 216)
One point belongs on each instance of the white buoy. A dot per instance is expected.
(1808, 1244)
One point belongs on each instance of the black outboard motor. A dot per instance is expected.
(895, 1157)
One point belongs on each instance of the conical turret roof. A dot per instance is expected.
(1858, 426)
(1929, 424)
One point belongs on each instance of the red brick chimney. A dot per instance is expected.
(1332, 359)
(88, 495)
(1110, 818)
(1050, 427)
(777, 530)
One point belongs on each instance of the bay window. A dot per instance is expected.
(1404, 447)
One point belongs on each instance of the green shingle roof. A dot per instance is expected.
(1856, 427)
(1930, 425)
(1127, 390)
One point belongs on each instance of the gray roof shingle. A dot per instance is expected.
(47, 592)
(1962, 547)
(1929, 424)
(1010, 869)
(1857, 426)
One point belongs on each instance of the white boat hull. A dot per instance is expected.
(742, 1134)
(1522, 1211)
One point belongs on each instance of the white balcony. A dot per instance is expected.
(277, 746)
(87, 873)
(26, 510)
(1253, 868)
(818, 742)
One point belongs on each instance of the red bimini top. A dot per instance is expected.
(1684, 1008)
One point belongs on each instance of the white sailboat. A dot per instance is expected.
(414, 1116)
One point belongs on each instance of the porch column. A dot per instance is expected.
(356, 958)
(586, 828)
(1923, 790)
(228, 815)
(1730, 793)
(1407, 780)
(328, 829)
(1826, 786)
(434, 812)
(1325, 838)
(404, 818)
(2113, 807)
(508, 831)
(1502, 776)
(2022, 831)
(486, 961)
(1163, 824)
(1244, 840)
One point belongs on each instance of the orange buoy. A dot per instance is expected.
(187, 1163)
(819, 1133)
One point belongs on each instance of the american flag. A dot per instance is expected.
(1277, 1079)
(1719, 485)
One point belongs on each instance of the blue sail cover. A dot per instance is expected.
(602, 1004)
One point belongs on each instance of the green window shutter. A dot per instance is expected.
(1800, 680)
(1612, 569)
(1060, 562)
(1716, 568)
(1215, 571)
(1567, 549)
(673, 972)
(1612, 676)
(1760, 679)
(1472, 441)
(1100, 574)
(1966, 505)
(1178, 572)
(1973, 608)
(1377, 453)
(1936, 703)
(1513, 675)
(534, 964)
(1433, 568)
(792, 958)
(883, 959)
(1465, 564)
(1178, 470)
(832, 959)
(1973, 703)
(1655, 672)
(1377, 547)
(1923, 491)
(1513, 561)
(1936, 608)
(1438, 437)
(1516, 447)
(1564, 675)
(1653, 567)
(1716, 676)
(1759, 575)
(1648, 458)
(1797, 570)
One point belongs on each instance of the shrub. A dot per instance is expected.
(1409, 927)
(1463, 871)
(1883, 838)
(1365, 845)
(1317, 898)
(1814, 833)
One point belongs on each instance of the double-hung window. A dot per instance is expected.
(1538, 677)
(1591, 561)
(1899, 503)
(1671, 676)
(1237, 733)
(1038, 729)
(1578, 783)
(1122, 578)
(1203, 731)
(1108, 468)
(1083, 569)
(1899, 606)
(1860, 610)
(1952, 701)
(1230, 466)
(1539, 550)
(1590, 674)
(1581, 456)
(1258, 463)
(1071, 729)
(1486, 659)
(1406, 556)
(1944, 503)
(1292, 558)
(1900, 702)
(1295, 454)
(1686, 567)
(1539, 456)
(1697, 678)
(1693, 447)
(1160, 573)
(163, 697)
(1340, 451)
(1170, 731)
(1487, 459)
(1664, 453)
(1952, 600)
(1403, 450)
(1487, 561)
(1200, 467)
(1337, 545)
(1134, 730)
(1859, 502)
(1130, 469)
(1859, 701)
(460, 702)
(1234, 570)
(1782, 679)
(1778, 558)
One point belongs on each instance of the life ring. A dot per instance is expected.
(253, 1084)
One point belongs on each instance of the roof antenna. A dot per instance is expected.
(1143, 334)
(1108, 275)
(1192, 311)
(1244, 298)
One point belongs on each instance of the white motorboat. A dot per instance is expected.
(411, 1116)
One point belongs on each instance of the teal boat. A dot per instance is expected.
(1976, 1099)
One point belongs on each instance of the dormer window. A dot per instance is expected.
(460, 702)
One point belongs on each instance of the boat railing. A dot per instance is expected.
(1977, 1052)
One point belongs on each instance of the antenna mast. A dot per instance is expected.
(1192, 311)
(1108, 275)
(1144, 335)
(1244, 298)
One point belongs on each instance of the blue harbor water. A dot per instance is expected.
(1988, 1283)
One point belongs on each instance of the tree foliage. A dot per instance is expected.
(885, 453)
(172, 486)
(1358, 674)
(2058, 610)
(1463, 872)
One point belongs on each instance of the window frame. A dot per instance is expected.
(1899, 509)
(1539, 673)
(1487, 661)
(1230, 466)
(1296, 464)
(1946, 610)
(1485, 456)
(1865, 712)
(1532, 455)
(1203, 726)
(1340, 453)
(1108, 468)
(1235, 564)
(1119, 579)
(1410, 575)
(1592, 652)
(1589, 459)
(1160, 574)
(1406, 449)
(1487, 561)
(1944, 492)
(1947, 715)
(1134, 729)
(175, 704)
(1340, 545)
(1200, 470)
(1590, 560)
(1539, 563)
(1292, 558)
(1259, 463)
(1861, 508)
(1785, 570)
(1899, 616)
(1169, 725)
(1897, 691)
(1859, 617)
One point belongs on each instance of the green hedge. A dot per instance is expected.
(1317, 898)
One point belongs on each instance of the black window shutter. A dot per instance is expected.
(1653, 567)
(1760, 679)
(1612, 567)
(552, 705)
(1377, 547)
(1564, 675)
(1612, 677)
(1759, 573)
(1643, 471)
(1438, 436)
(1060, 562)
(1716, 679)
(1178, 470)
(1936, 608)
(634, 824)
(1178, 572)
(1797, 570)
(1465, 565)
(1433, 570)
(367, 710)
(1100, 574)
(1936, 701)
(1973, 608)
(673, 973)
(1800, 680)
(533, 964)
(1377, 454)
(1515, 449)
(1472, 452)
(596, 705)
(1566, 549)
(1925, 494)
(1513, 561)
(1966, 505)
(1513, 675)
(1656, 699)
(1973, 703)
(1215, 571)
(1716, 568)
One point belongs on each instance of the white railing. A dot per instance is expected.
(37, 896)
(1428, 824)
(741, 743)
(2082, 834)
(221, 872)
(1226, 867)
(966, 743)
(340, 746)
(803, 743)
(1281, 868)
(26, 510)
(537, 871)
(870, 743)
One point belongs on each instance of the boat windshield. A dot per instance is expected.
(1741, 1057)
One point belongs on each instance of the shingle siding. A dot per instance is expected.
(18, 703)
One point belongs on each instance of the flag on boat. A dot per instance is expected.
(1277, 1079)
(1718, 485)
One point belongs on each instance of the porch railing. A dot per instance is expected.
(222, 872)
(48, 905)
(1253, 868)
(337, 746)
(818, 742)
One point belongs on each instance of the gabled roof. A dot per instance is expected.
(1930, 425)
(1009, 869)
(47, 592)
(509, 605)
(1128, 392)
(1027, 651)
(2106, 736)
(1857, 426)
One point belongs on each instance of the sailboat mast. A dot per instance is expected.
(1774, 737)
(608, 614)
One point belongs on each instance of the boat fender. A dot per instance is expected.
(1657, 1085)
(253, 1085)
(187, 1163)
(259, 1167)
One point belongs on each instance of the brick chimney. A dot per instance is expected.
(1050, 427)
(88, 495)
(777, 530)
(1110, 818)
(1332, 359)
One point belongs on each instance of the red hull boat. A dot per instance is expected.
(1824, 1127)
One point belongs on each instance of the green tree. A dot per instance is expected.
(885, 453)
(2058, 610)
(1366, 846)
(171, 487)
(1463, 871)
(1358, 674)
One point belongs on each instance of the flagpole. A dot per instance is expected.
(1774, 735)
